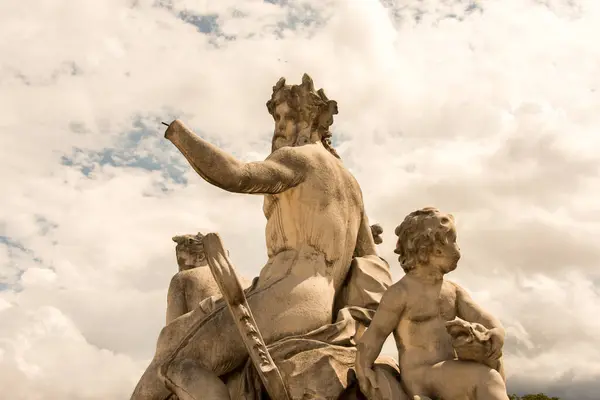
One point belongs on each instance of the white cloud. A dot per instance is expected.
(486, 110)
(46, 357)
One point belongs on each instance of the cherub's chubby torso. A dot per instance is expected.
(311, 234)
(421, 334)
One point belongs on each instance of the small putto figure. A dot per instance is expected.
(193, 285)
(194, 281)
(425, 313)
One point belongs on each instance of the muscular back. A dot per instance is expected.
(319, 217)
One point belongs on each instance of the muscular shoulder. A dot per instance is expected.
(291, 156)
(456, 293)
(310, 155)
(454, 287)
(190, 277)
(183, 279)
(178, 281)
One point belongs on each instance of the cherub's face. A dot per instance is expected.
(445, 255)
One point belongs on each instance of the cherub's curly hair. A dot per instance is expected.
(311, 106)
(418, 234)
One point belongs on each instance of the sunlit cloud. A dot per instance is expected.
(486, 109)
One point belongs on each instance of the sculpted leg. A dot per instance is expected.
(287, 307)
(215, 343)
(490, 387)
(150, 387)
(456, 380)
(191, 380)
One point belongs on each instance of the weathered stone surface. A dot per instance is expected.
(472, 342)
(319, 363)
(194, 281)
(322, 264)
(419, 308)
(293, 332)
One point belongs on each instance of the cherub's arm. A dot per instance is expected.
(176, 304)
(384, 322)
(282, 170)
(470, 311)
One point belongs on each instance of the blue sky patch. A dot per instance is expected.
(130, 153)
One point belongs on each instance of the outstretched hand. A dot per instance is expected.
(173, 126)
(367, 381)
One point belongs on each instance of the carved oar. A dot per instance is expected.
(229, 284)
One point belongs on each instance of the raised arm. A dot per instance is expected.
(282, 170)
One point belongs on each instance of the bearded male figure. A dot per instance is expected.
(316, 224)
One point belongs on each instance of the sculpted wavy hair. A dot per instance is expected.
(310, 105)
(418, 234)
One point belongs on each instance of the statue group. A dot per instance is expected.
(313, 323)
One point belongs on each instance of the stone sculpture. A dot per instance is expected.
(194, 281)
(293, 332)
(194, 284)
(319, 288)
(231, 288)
(420, 307)
(376, 231)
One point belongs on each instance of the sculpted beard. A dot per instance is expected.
(311, 110)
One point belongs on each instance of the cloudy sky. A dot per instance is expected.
(488, 110)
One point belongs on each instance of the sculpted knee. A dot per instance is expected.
(189, 377)
(179, 368)
(164, 337)
(495, 377)
(163, 334)
(491, 379)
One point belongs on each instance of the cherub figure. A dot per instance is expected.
(417, 309)
(194, 283)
